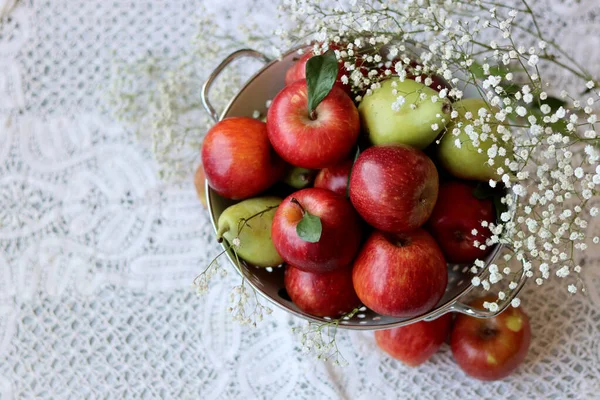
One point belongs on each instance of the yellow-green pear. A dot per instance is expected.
(404, 113)
(253, 242)
(458, 154)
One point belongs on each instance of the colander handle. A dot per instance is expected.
(211, 78)
(462, 308)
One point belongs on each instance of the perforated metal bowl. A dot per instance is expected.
(263, 86)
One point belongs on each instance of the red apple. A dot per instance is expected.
(238, 159)
(326, 294)
(394, 188)
(401, 275)
(456, 214)
(334, 178)
(297, 71)
(491, 349)
(415, 343)
(199, 183)
(340, 237)
(312, 142)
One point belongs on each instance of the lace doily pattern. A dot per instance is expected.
(117, 344)
(96, 253)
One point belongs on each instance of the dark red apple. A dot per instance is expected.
(456, 214)
(297, 71)
(340, 237)
(314, 142)
(238, 159)
(335, 178)
(394, 188)
(199, 184)
(491, 349)
(326, 294)
(401, 275)
(415, 343)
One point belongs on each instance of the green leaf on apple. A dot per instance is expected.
(309, 228)
(350, 172)
(321, 73)
(484, 191)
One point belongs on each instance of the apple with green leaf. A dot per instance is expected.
(402, 112)
(313, 124)
(491, 348)
(464, 149)
(316, 230)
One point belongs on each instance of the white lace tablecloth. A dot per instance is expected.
(97, 256)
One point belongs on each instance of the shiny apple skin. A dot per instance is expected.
(491, 349)
(400, 275)
(312, 144)
(415, 343)
(334, 178)
(456, 213)
(238, 159)
(297, 71)
(326, 294)
(394, 187)
(340, 237)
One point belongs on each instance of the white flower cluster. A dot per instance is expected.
(320, 338)
(544, 150)
(202, 281)
(246, 307)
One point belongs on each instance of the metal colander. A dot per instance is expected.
(263, 86)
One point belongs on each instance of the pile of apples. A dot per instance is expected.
(365, 205)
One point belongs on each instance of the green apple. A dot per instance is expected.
(255, 245)
(416, 122)
(299, 178)
(469, 161)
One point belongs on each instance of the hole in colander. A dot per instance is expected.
(376, 318)
(345, 322)
(284, 294)
(269, 269)
(327, 318)
(465, 269)
(460, 282)
(363, 308)
(360, 316)
(362, 322)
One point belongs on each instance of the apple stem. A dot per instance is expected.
(221, 232)
(312, 115)
(447, 108)
(295, 201)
